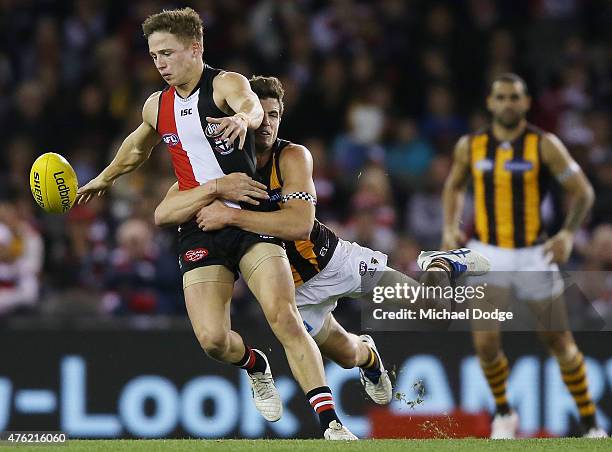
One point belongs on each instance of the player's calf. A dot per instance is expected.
(344, 348)
(574, 374)
(487, 345)
(348, 357)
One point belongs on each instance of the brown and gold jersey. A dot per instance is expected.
(509, 185)
(307, 257)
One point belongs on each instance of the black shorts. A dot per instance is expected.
(225, 247)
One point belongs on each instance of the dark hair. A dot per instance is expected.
(184, 23)
(510, 77)
(268, 88)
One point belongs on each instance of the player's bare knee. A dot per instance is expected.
(487, 348)
(556, 342)
(215, 350)
(289, 325)
(214, 344)
(487, 354)
(285, 321)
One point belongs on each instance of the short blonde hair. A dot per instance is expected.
(184, 23)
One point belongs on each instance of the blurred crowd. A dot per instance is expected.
(379, 91)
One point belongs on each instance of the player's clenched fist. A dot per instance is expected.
(232, 127)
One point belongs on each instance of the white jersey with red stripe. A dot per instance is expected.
(198, 153)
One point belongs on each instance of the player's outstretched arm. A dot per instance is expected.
(580, 191)
(453, 196)
(233, 90)
(134, 151)
(180, 206)
(295, 219)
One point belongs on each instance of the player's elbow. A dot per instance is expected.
(258, 115)
(138, 156)
(302, 230)
(295, 223)
(589, 195)
(453, 186)
(584, 193)
(448, 189)
(162, 217)
(301, 234)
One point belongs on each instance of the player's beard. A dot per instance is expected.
(509, 122)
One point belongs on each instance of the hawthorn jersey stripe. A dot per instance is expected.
(304, 268)
(478, 152)
(166, 126)
(502, 192)
(518, 196)
(275, 183)
(533, 189)
(489, 192)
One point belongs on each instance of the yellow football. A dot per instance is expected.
(53, 183)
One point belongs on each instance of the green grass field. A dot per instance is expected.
(437, 445)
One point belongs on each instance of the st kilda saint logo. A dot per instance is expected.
(221, 145)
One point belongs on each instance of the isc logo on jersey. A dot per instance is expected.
(53, 183)
(221, 145)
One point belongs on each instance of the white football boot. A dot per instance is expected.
(381, 392)
(504, 426)
(265, 395)
(337, 431)
(461, 260)
(595, 432)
